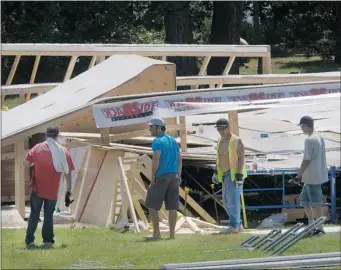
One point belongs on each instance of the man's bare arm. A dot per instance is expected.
(27, 163)
(68, 182)
(304, 166)
(179, 164)
(241, 156)
(155, 163)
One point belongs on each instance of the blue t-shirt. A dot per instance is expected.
(169, 149)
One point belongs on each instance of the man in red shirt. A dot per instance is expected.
(50, 161)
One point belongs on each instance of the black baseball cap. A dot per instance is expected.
(222, 122)
(52, 130)
(306, 120)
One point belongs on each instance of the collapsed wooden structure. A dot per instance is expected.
(111, 187)
(120, 75)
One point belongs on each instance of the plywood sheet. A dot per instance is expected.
(89, 175)
(98, 206)
(116, 71)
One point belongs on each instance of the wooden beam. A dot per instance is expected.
(105, 135)
(227, 68)
(19, 177)
(92, 62)
(34, 73)
(125, 192)
(233, 122)
(183, 134)
(13, 70)
(266, 64)
(139, 49)
(70, 68)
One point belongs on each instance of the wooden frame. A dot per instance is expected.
(99, 52)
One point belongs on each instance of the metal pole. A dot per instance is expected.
(283, 186)
(333, 193)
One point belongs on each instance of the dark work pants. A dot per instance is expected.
(47, 230)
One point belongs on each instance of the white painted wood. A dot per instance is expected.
(197, 80)
(75, 93)
(140, 49)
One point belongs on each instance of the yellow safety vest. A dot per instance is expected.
(233, 159)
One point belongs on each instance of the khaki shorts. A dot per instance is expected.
(164, 189)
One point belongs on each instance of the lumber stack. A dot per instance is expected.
(111, 187)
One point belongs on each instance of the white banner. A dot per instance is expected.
(142, 110)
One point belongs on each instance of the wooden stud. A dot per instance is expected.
(92, 62)
(33, 74)
(12, 73)
(70, 68)
(203, 68)
(227, 68)
(233, 122)
(183, 134)
(266, 64)
(19, 177)
(105, 135)
(13, 70)
(126, 191)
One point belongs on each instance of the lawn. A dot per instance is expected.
(103, 248)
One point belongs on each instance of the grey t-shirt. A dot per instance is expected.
(315, 151)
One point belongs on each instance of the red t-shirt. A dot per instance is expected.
(45, 180)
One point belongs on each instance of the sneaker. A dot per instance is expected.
(47, 245)
(30, 246)
(318, 232)
(230, 230)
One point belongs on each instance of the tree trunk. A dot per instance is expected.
(338, 33)
(178, 28)
(225, 29)
(256, 20)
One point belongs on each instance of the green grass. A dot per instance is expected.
(301, 64)
(103, 248)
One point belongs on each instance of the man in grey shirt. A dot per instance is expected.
(313, 172)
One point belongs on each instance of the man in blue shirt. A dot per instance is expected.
(166, 172)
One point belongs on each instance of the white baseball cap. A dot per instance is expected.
(157, 121)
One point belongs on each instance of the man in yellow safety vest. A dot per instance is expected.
(231, 172)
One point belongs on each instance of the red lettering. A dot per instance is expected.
(108, 113)
(253, 96)
(136, 109)
(127, 110)
(314, 91)
(323, 90)
(261, 95)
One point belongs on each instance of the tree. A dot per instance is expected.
(178, 30)
(337, 30)
(225, 29)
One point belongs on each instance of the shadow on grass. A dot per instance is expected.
(312, 66)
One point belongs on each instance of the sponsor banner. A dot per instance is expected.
(143, 109)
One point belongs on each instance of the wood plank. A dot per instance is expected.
(183, 134)
(98, 207)
(227, 68)
(233, 122)
(139, 49)
(19, 179)
(92, 165)
(13, 69)
(126, 191)
(70, 68)
(33, 74)
(105, 132)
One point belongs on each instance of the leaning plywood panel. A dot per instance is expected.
(93, 163)
(119, 71)
(98, 206)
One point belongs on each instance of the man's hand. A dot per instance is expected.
(239, 179)
(215, 178)
(68, 201)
